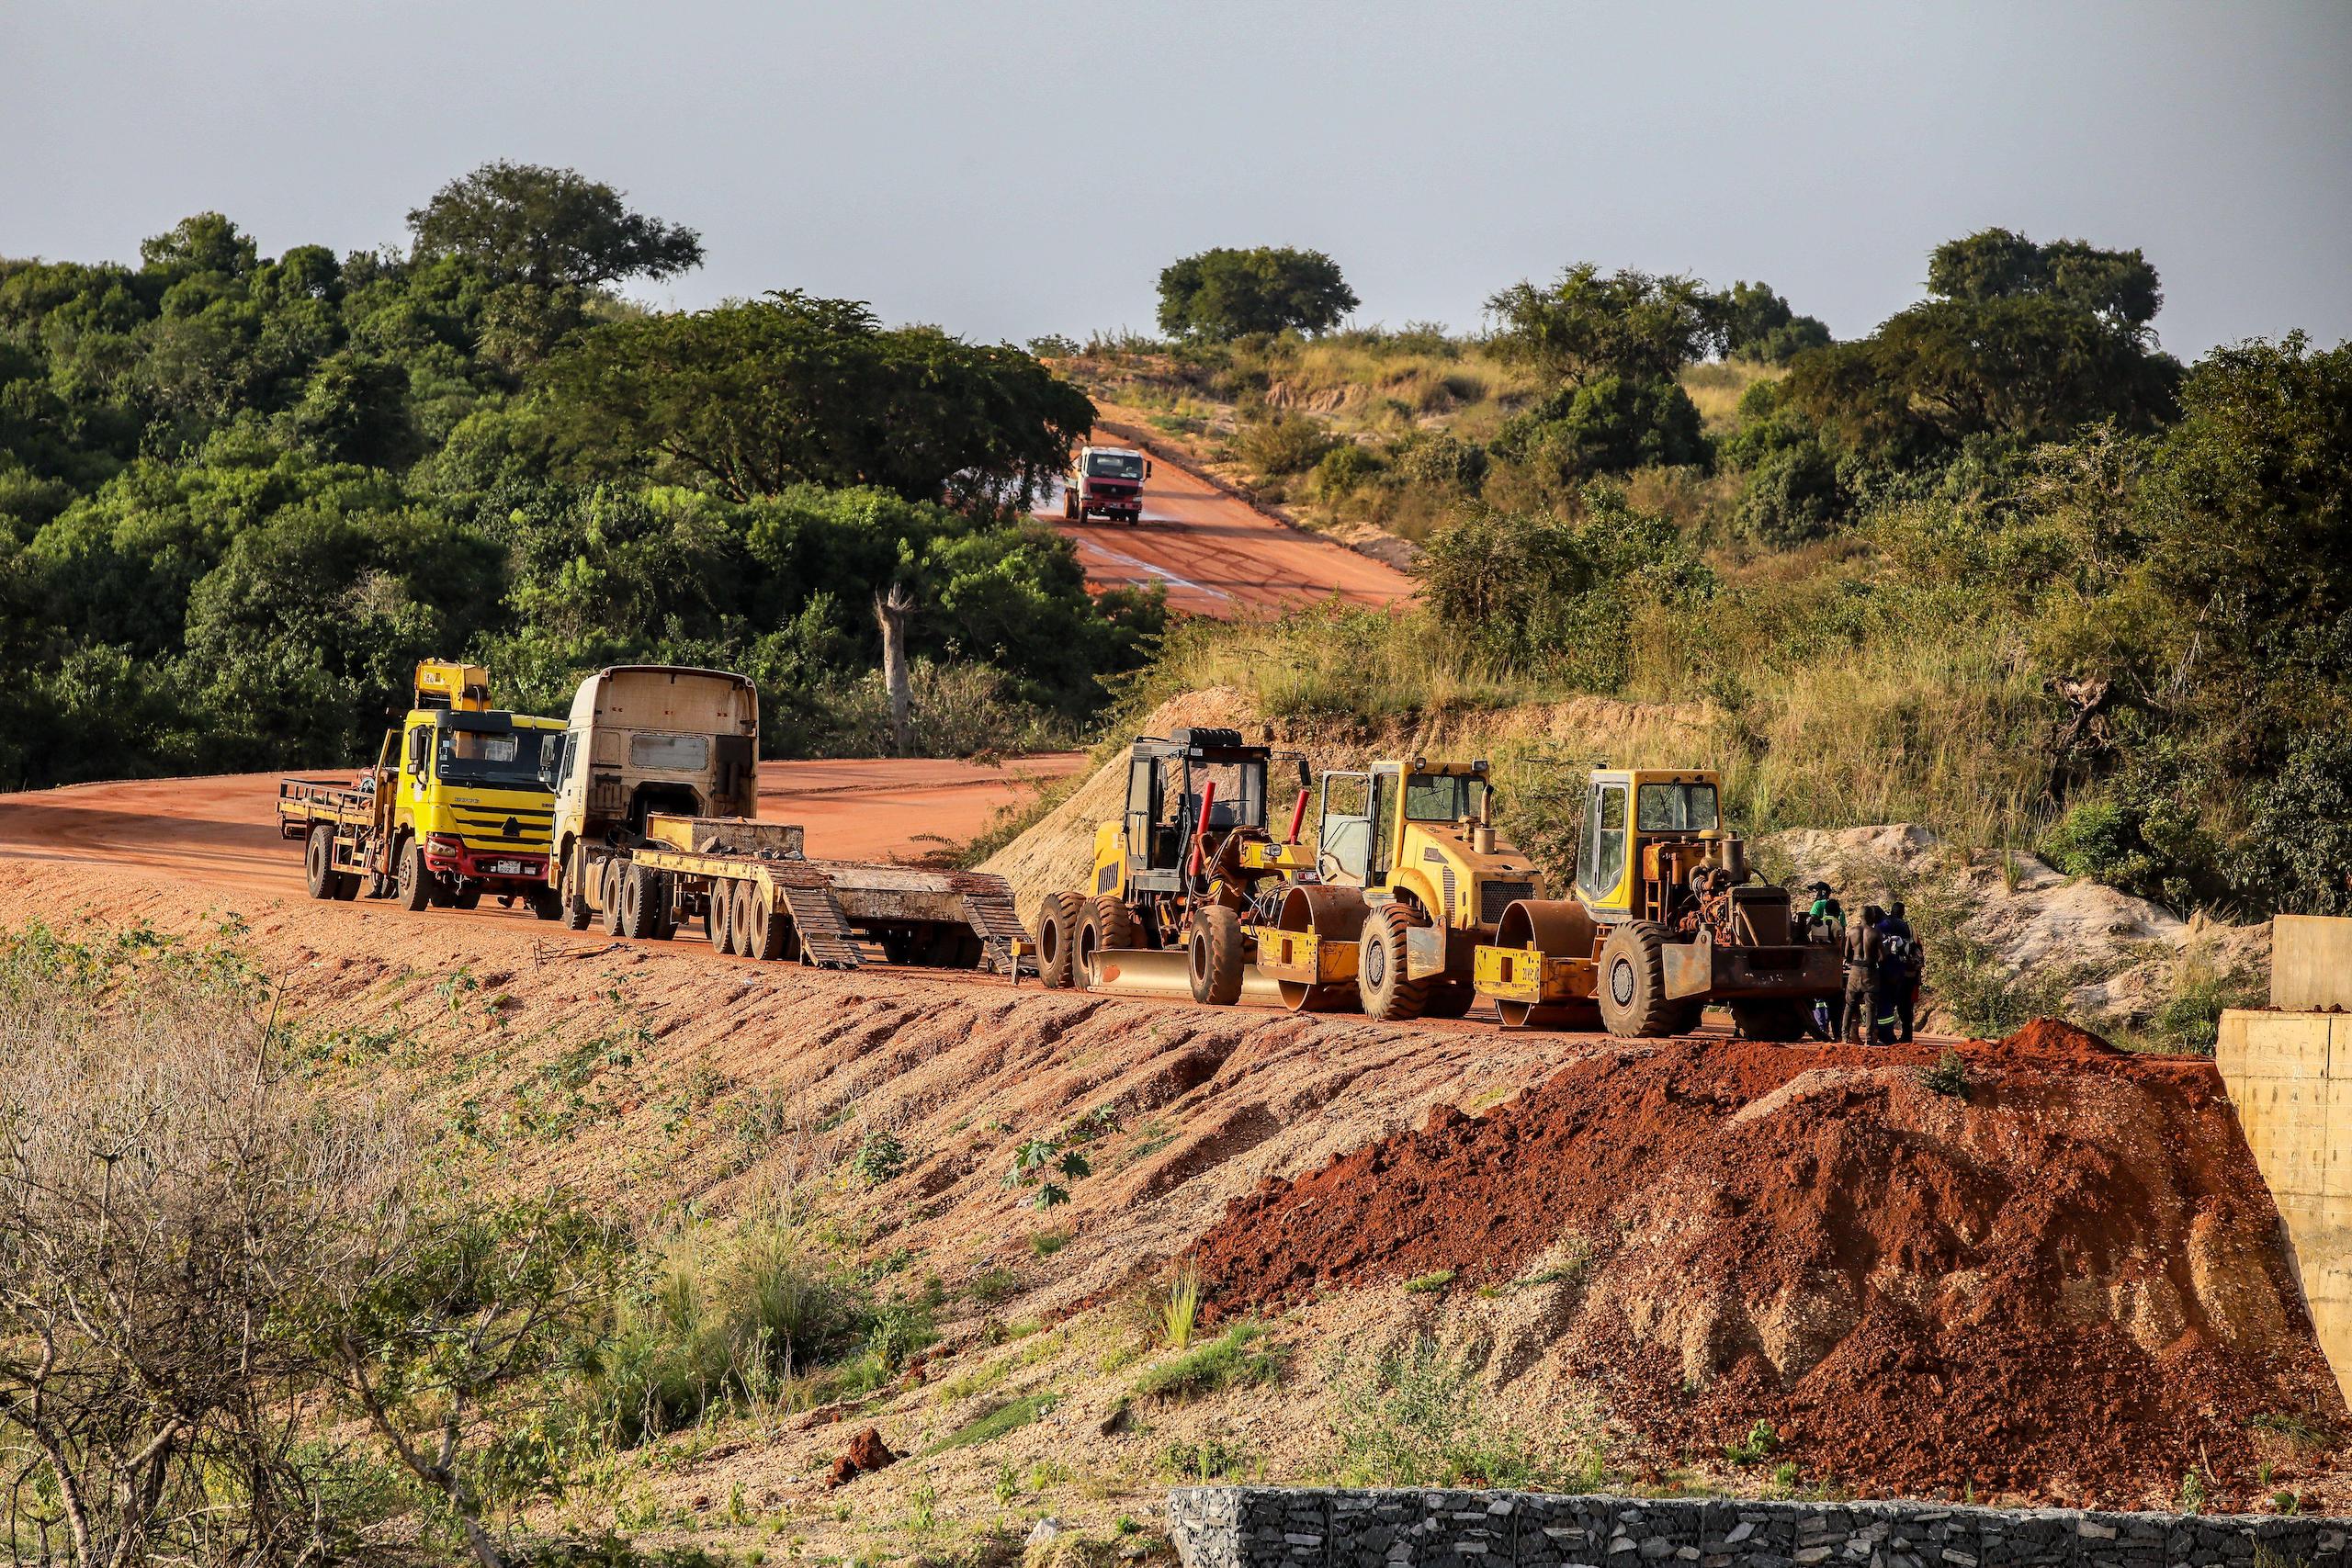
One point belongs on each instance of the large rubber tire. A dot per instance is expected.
(1213, 956)
(1109, 924)
(1071, 512)
(768, 932)
(417, 885)
(1387, 993)
(468, 899)
(317, 863)
(1777, 1020)
(1447, 999)
(574, 895)
(1634, 1004)
(642, 897)
(740, 900)
(608, 892)
(1057, 921)
(717, 908)
(544, 903)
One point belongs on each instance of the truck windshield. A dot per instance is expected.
(495, 758)
(1114, 466)
(1677, 809)
(1431, 797)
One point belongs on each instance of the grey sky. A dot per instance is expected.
(1007, 169)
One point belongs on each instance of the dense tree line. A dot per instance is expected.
(240, 495)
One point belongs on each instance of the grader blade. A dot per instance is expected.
(1167, 974)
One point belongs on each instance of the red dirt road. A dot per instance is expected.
(223, 831)
(1216, 555)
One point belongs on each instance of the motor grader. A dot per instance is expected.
(1174, 876)
(1665, 918)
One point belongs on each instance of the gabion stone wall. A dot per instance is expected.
(1269, 1526)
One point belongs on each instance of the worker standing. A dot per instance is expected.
(1864, 952)
(1900, 964)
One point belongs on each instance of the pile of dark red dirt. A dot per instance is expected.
(2062, 1282)
(866, 1453)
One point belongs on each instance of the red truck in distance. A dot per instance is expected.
(1105, 481)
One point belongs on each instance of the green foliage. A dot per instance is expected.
(1546, 594)
(1758, 324)
(549, 228)
(1414, 1418)
(996, 1421)
(1586, 326)
(1606, 425)
(1761, 1442)
(880, 1156)
(1792, 495)
(1236, 1358)
(1345, 468)
(1948, 1076)
(1223, 293)
(1208, 1458)
(1430, 1284)
(1285, 443)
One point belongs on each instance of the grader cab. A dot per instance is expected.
(1666, 916)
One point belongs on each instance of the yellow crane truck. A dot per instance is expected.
(454, 808)
(656, 787)
(1665, 918)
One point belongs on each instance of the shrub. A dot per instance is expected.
(1608, 426)
(1285, 443)
(1182, 1306)
(880, 1156)
(1344, 469)
(1949, 1076)
(2098, 839)
(1761, 1442)
(1443, 462)
(1415, 1419)
(1792, 495)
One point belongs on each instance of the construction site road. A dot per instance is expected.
(1217, 555)
(223, 832)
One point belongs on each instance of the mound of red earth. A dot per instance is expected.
(2064, 1282)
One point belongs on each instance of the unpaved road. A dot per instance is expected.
(1216, 555)
(223, 831)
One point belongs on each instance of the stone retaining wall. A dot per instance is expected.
(1267, 1527)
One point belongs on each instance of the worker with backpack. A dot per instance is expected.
(1899, 967)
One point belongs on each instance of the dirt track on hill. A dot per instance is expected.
(1216, 555)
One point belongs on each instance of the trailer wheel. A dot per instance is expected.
(415, 891)
(740, 900)
(641, 899)
(1058, 925)
(318, 862)
(765, 934)
(1108, 924)
(608, 894)
(1213, 956)
(574, 894)
(718, 910)
(1634, 1004)
(1389, 994)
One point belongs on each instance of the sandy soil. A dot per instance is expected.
(1216, 556)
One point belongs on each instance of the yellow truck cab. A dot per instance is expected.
(454, 808)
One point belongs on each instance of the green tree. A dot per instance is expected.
(1586, 325)
(1757, 323)
(1221, 294)
(749, 398)
(1608, 425)
(549, 228)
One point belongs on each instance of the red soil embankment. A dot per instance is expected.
(2065, 1281)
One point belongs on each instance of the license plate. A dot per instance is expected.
(506, 868)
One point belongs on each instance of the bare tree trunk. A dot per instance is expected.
(893, 608)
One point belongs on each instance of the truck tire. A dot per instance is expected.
(642, 896)
(1389, 995)
(1634, 1004)
(471, 898)
(741, 896)
(1057, 924)
(718, 907)
(317, 863)
(767, 936)
(608, 894)
(1775, 1018)
(1109, 924)
(1447, 999)
(1213, 956)
(574, 894)
(417, 884)
(545, 903)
